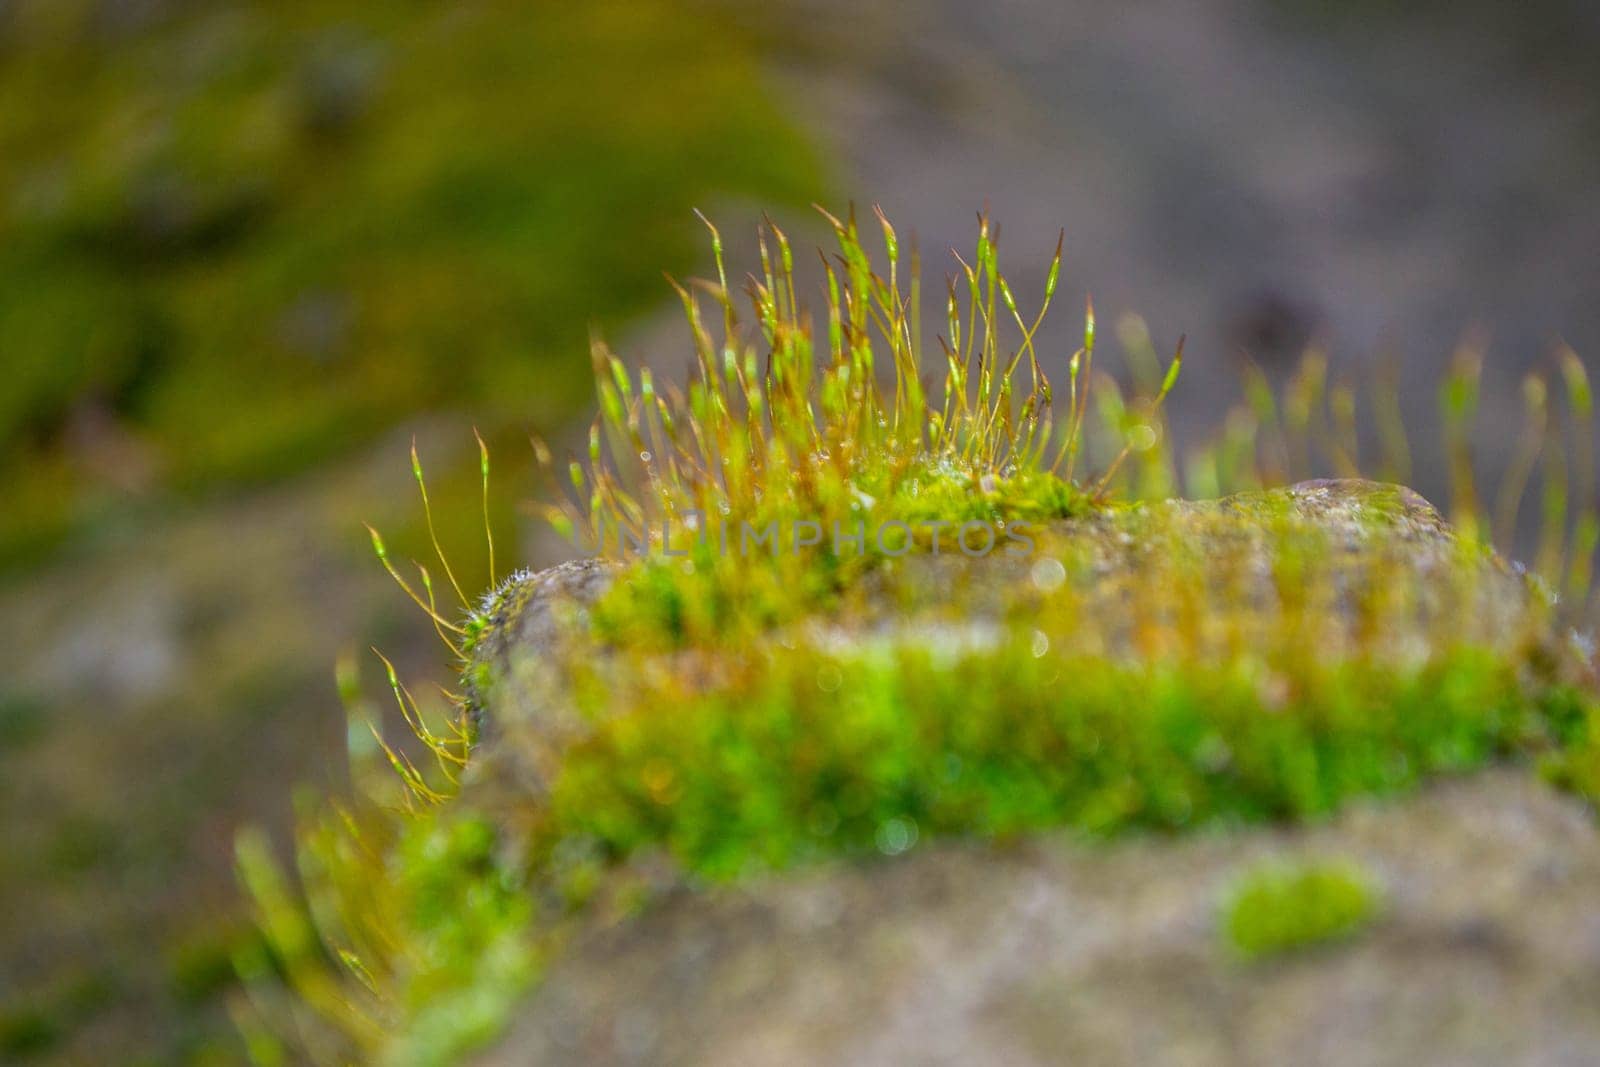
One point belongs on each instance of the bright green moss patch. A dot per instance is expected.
(1285, 907)
(437, 943)
(809, 755)
(469, 915)
(1575, 765)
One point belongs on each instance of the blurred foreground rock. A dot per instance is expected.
(1487, 952)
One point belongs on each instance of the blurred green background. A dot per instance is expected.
(240, 238)
(248, 251)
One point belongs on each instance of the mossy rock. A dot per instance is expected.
(1337, 558)
(677, 724)
(1271, 664)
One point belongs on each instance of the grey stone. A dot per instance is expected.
(1486, 951)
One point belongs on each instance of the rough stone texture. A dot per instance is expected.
(525, 619)
(1487, 952)
(1362, 544)
(516, 683)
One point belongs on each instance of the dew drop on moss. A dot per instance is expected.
(1048, 574)
(896, 835)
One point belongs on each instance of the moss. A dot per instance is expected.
(800, 754)
(807, 755)
(1280, 908)
(1575, 765)
(1150, 667)
(468, 915)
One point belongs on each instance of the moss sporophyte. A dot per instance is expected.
(786, 645)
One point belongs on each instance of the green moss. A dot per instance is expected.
(1154, 667)
(468, 915)
(807, 755)
(1575, 765)
(1280, 908)
(793, 437)
(798, 755)
(438, 886)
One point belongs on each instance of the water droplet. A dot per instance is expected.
(896, 836)
(1048, 574)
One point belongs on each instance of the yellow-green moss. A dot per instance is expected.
(1282, 907)
(1151, 668)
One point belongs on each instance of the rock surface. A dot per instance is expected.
(1487, 952)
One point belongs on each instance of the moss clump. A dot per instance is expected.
(808, 756)
(1280, 908)
(787, 429)
(1575, 764)
(1264, 657)
(1149, 667)
(430, 911)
